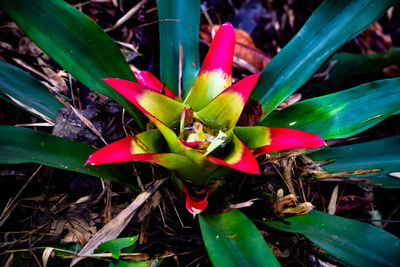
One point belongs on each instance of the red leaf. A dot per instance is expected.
(149, 80)
(240, 158)
(285, 138)
(195, 206)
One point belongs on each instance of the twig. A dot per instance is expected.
(391, 215)
(205, 12)
(154, 22)
(88, 124)
(127, 16)
(180, 70)
(10, 206)
(34, 111)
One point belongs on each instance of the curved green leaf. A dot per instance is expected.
(342, 114)
(22, 145)
(232, 239)
(383, 154)
(128, 263)
(29, 91)
(75, 42)
(349, 241)
(181, 28)
(115, 246)
(329, 27)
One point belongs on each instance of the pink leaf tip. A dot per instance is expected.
(195, 206)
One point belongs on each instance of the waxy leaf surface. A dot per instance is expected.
(226, 108)
(179, 25)
(75, 42)
(149, 80)
(239, 158)
(232, 239)
(328, 28)
(216, 70)
(342, 114)
(28, 90)
(263, 140)
(22, 145)
(382, 154)
(150, 102)
(349, 241)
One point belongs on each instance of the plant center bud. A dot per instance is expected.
(198, 127)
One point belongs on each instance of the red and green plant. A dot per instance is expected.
(199, 132)
(198, 138)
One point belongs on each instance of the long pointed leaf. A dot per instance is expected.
(342, 114)
(215, 74)
(22, 145)
(28, 91)
(349, 241)
(149, 101)
(181, 28)
(383, 154)
(263, 140)
(148, 79)
(75, 42)
(329, 27)
(232, 239)
(225, 109)
(240, 158)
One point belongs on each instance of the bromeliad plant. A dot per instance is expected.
(198, 137)
(200, 141)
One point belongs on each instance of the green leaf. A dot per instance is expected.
(149, 101)
(116, 245)
(232, 239)
(383, 154)
(225, 109)
(29, 91)
(75, 42)
(22, 145)
(345, 66)
(128, 263)
(342, 114)
(181, 27)
(329, 27)
(349, 241)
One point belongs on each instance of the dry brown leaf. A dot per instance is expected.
(112, 229)
(53, 77)
(333, 200)
(294, 98)
(300, 209)
(46, 255)
(88, 124)
(245, 49)
(374, 40)
(27, 47)
(150, 205)
(245, 204)
(392, 71)
(34, 111)
(289, 205)
(79, 230)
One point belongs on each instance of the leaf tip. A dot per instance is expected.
(194, 206)
(90, 161)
